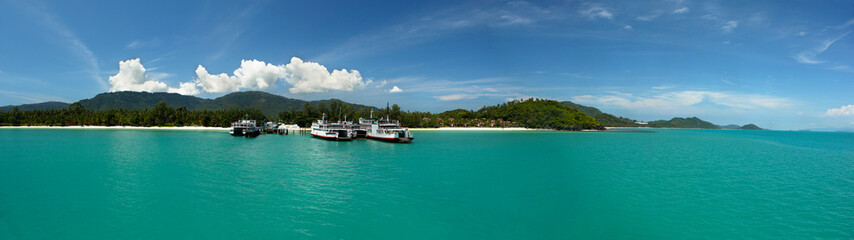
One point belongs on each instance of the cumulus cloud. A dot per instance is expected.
(395, 89)
(216, 83)
(252, 74)
(186, 88)
(304, 77)
(678, 99)
(847, 110)
(311, 77)
(132, 76)
(628, 27)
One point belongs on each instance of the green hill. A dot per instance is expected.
(37, 106)
(692, 122)
(269, 104)
(538, 113)
(609, 120)
(750, 127)
(140, 100)
(592, 111)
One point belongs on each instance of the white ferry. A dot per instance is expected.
(245, 128)
(390, 131)
(331, 131)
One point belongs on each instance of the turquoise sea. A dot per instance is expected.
(655, 184)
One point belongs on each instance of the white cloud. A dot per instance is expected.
(186, 88)
(254, 74)
(454, 97)
(597, 12)
(515, 19)
(729, 26)
(132, 77)
(648, 17)
(216, 83)
(841, 68)
(382, 84)
(847, 110)
(311, 77)
(802, 34)
(662, 87)
(679, 99)
(680, 11)
(628, 27)
(808, 57)
(395, 89)
(304, 77)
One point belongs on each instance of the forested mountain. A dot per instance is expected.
(592, 111)
(131, 108)
(37, 106)
(140, 100)
(750, 127)
(605, 119)
(269, 104)
(692, 122)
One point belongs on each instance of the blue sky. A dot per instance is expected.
(778, 64)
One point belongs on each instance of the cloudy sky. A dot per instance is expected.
(778, 64)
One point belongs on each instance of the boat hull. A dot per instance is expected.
(252, 134)
(331, 138)
(237, 132)
(392, 139)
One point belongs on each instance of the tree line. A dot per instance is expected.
(531, 113)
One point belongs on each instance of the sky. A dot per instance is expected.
(783, 65)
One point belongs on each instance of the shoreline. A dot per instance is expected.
(476, 129)
(195, 128)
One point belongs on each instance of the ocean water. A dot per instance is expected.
(657, 184)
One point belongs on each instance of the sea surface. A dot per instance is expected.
(651, 184)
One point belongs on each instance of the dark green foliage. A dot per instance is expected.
(531, 113)
(140, 100)
(692, 122)
(609, 120)
(37, 106)
(160, 115)
(592, 111)
(269, 104)
(750, 126)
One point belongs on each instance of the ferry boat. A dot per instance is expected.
(390, 131)
(362, 128)
(331, 131)
(245, 128)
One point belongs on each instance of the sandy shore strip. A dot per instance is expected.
(475, 129)
(196, 128)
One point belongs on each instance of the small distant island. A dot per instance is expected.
(170, 109)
